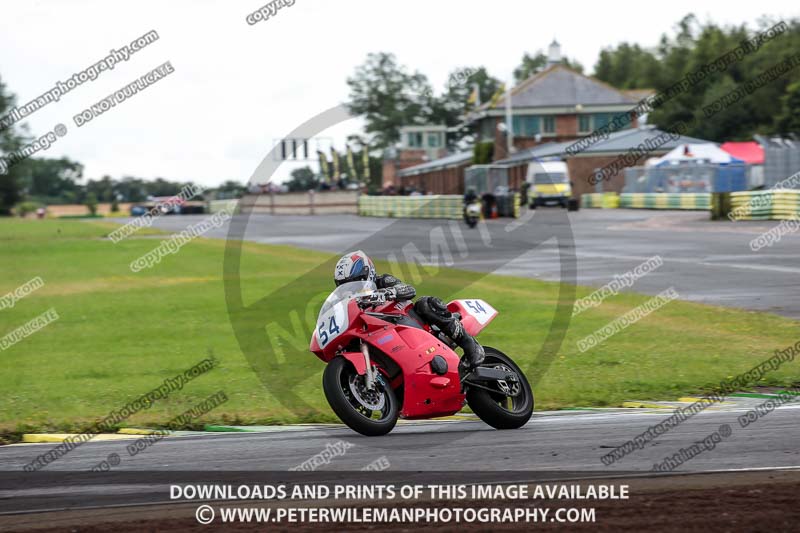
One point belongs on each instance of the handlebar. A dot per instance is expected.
(375, 298)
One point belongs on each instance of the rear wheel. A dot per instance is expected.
(512, 405)
(369, 412)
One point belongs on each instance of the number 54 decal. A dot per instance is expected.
(332, 330)
(482, 311)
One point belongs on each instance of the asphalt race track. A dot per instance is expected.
(553, 445)
(703, 261)
(709, 262)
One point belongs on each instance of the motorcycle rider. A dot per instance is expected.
(470, 197)
(357, 266)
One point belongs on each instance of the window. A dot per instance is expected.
(433, 140)
(588, 123)
(487, 129)
(601, 119)
(525, 126)
(549, 124)
(415, 140)
(545, 178)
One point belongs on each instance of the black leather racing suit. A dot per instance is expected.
(434, 312)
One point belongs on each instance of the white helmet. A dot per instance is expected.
(354, 266)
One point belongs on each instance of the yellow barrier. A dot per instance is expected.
(430, 206)
(771, 204)
(685, 200)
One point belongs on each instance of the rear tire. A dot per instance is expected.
(494, 409)
(340, 380)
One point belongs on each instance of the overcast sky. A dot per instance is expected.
(238, 87)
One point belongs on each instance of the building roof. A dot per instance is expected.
(559, 86)
(424, 127)
(452, 160)
(616, 143)
(639, 94)
(750, 152)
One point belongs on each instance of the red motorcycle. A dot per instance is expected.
(384, 362)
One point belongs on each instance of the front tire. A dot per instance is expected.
(498, 410)
(369, 413)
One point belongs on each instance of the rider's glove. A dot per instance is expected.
(384, 281)
(404, 292)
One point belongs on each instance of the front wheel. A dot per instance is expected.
(369, 412)
(512, 405)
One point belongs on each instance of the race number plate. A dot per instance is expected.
(479, 309)
(331, 324)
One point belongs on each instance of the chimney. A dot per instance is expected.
(554, 54)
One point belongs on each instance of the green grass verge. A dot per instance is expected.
(121, 333)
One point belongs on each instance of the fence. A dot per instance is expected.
(492, 179)
(688, 178)
(781, 159)
(301, 203)
(215, 206)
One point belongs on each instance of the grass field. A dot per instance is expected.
(121, 333)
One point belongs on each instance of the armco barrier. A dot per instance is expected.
(685, 200)
(765, 205)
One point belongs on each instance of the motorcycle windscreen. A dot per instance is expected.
(475, 314)
(333, 319)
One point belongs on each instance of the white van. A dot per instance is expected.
(549, 183)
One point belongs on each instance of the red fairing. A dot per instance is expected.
(403, 353)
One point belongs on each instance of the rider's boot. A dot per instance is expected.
(473, 351)
(434, 311)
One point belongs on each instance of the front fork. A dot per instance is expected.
(369, 373)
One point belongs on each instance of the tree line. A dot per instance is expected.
(390, 95)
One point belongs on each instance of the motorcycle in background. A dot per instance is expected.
(472, 213)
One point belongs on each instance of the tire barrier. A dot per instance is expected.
(765, 205)
(431, 206)
(606, 200)
(646, 200)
